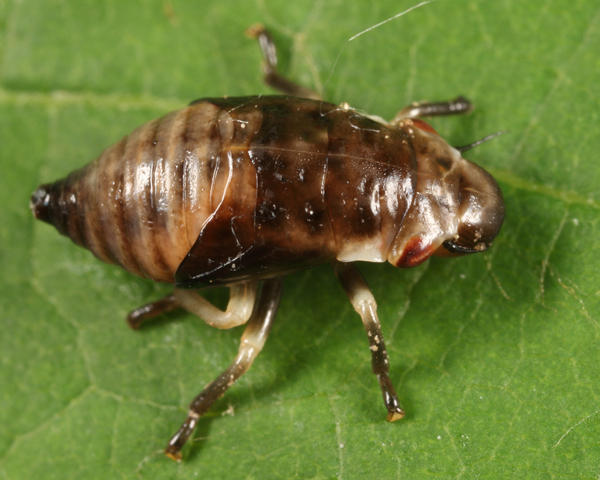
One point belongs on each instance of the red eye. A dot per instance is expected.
(417, 122)
(416, 251)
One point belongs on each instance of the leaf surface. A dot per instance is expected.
(495, 356)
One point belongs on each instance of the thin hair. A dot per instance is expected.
(373, 27)
(393, 17)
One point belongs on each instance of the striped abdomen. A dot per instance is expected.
(237, 188)
(141, 203)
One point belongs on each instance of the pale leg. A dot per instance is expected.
(251, 344)
(241, 301)
(364, 303)
(239, 308)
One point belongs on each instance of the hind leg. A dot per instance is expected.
(272, 77)
(140, 315)
(239, 308)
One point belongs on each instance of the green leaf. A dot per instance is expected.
(495, 356)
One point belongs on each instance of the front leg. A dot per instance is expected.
(364, 303)
(431, 109)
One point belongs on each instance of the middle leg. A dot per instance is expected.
(252, 342)
(272, 76)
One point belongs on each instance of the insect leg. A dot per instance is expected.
(239, 308)
(364, 303)
(429, 109)
(272, 77)
(251, 343)
(137, 317)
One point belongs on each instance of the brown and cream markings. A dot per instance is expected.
(239, 191)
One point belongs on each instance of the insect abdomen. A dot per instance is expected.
(231, 189)
(141, 203)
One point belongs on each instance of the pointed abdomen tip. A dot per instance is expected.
(39, 203)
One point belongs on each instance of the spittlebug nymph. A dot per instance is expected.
(239, 191)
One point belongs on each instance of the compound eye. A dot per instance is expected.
(480, 213)
(420, 124)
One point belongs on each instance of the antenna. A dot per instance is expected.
(487, 138)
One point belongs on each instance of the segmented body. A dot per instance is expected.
(238, 190)
(140, 204)
(244, 187)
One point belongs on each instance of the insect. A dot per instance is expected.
(240, 191)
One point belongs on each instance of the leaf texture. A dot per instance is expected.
(495, 356)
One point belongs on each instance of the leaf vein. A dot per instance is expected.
(574, 426)
(42, 425)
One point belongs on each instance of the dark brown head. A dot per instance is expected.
(480, 211)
